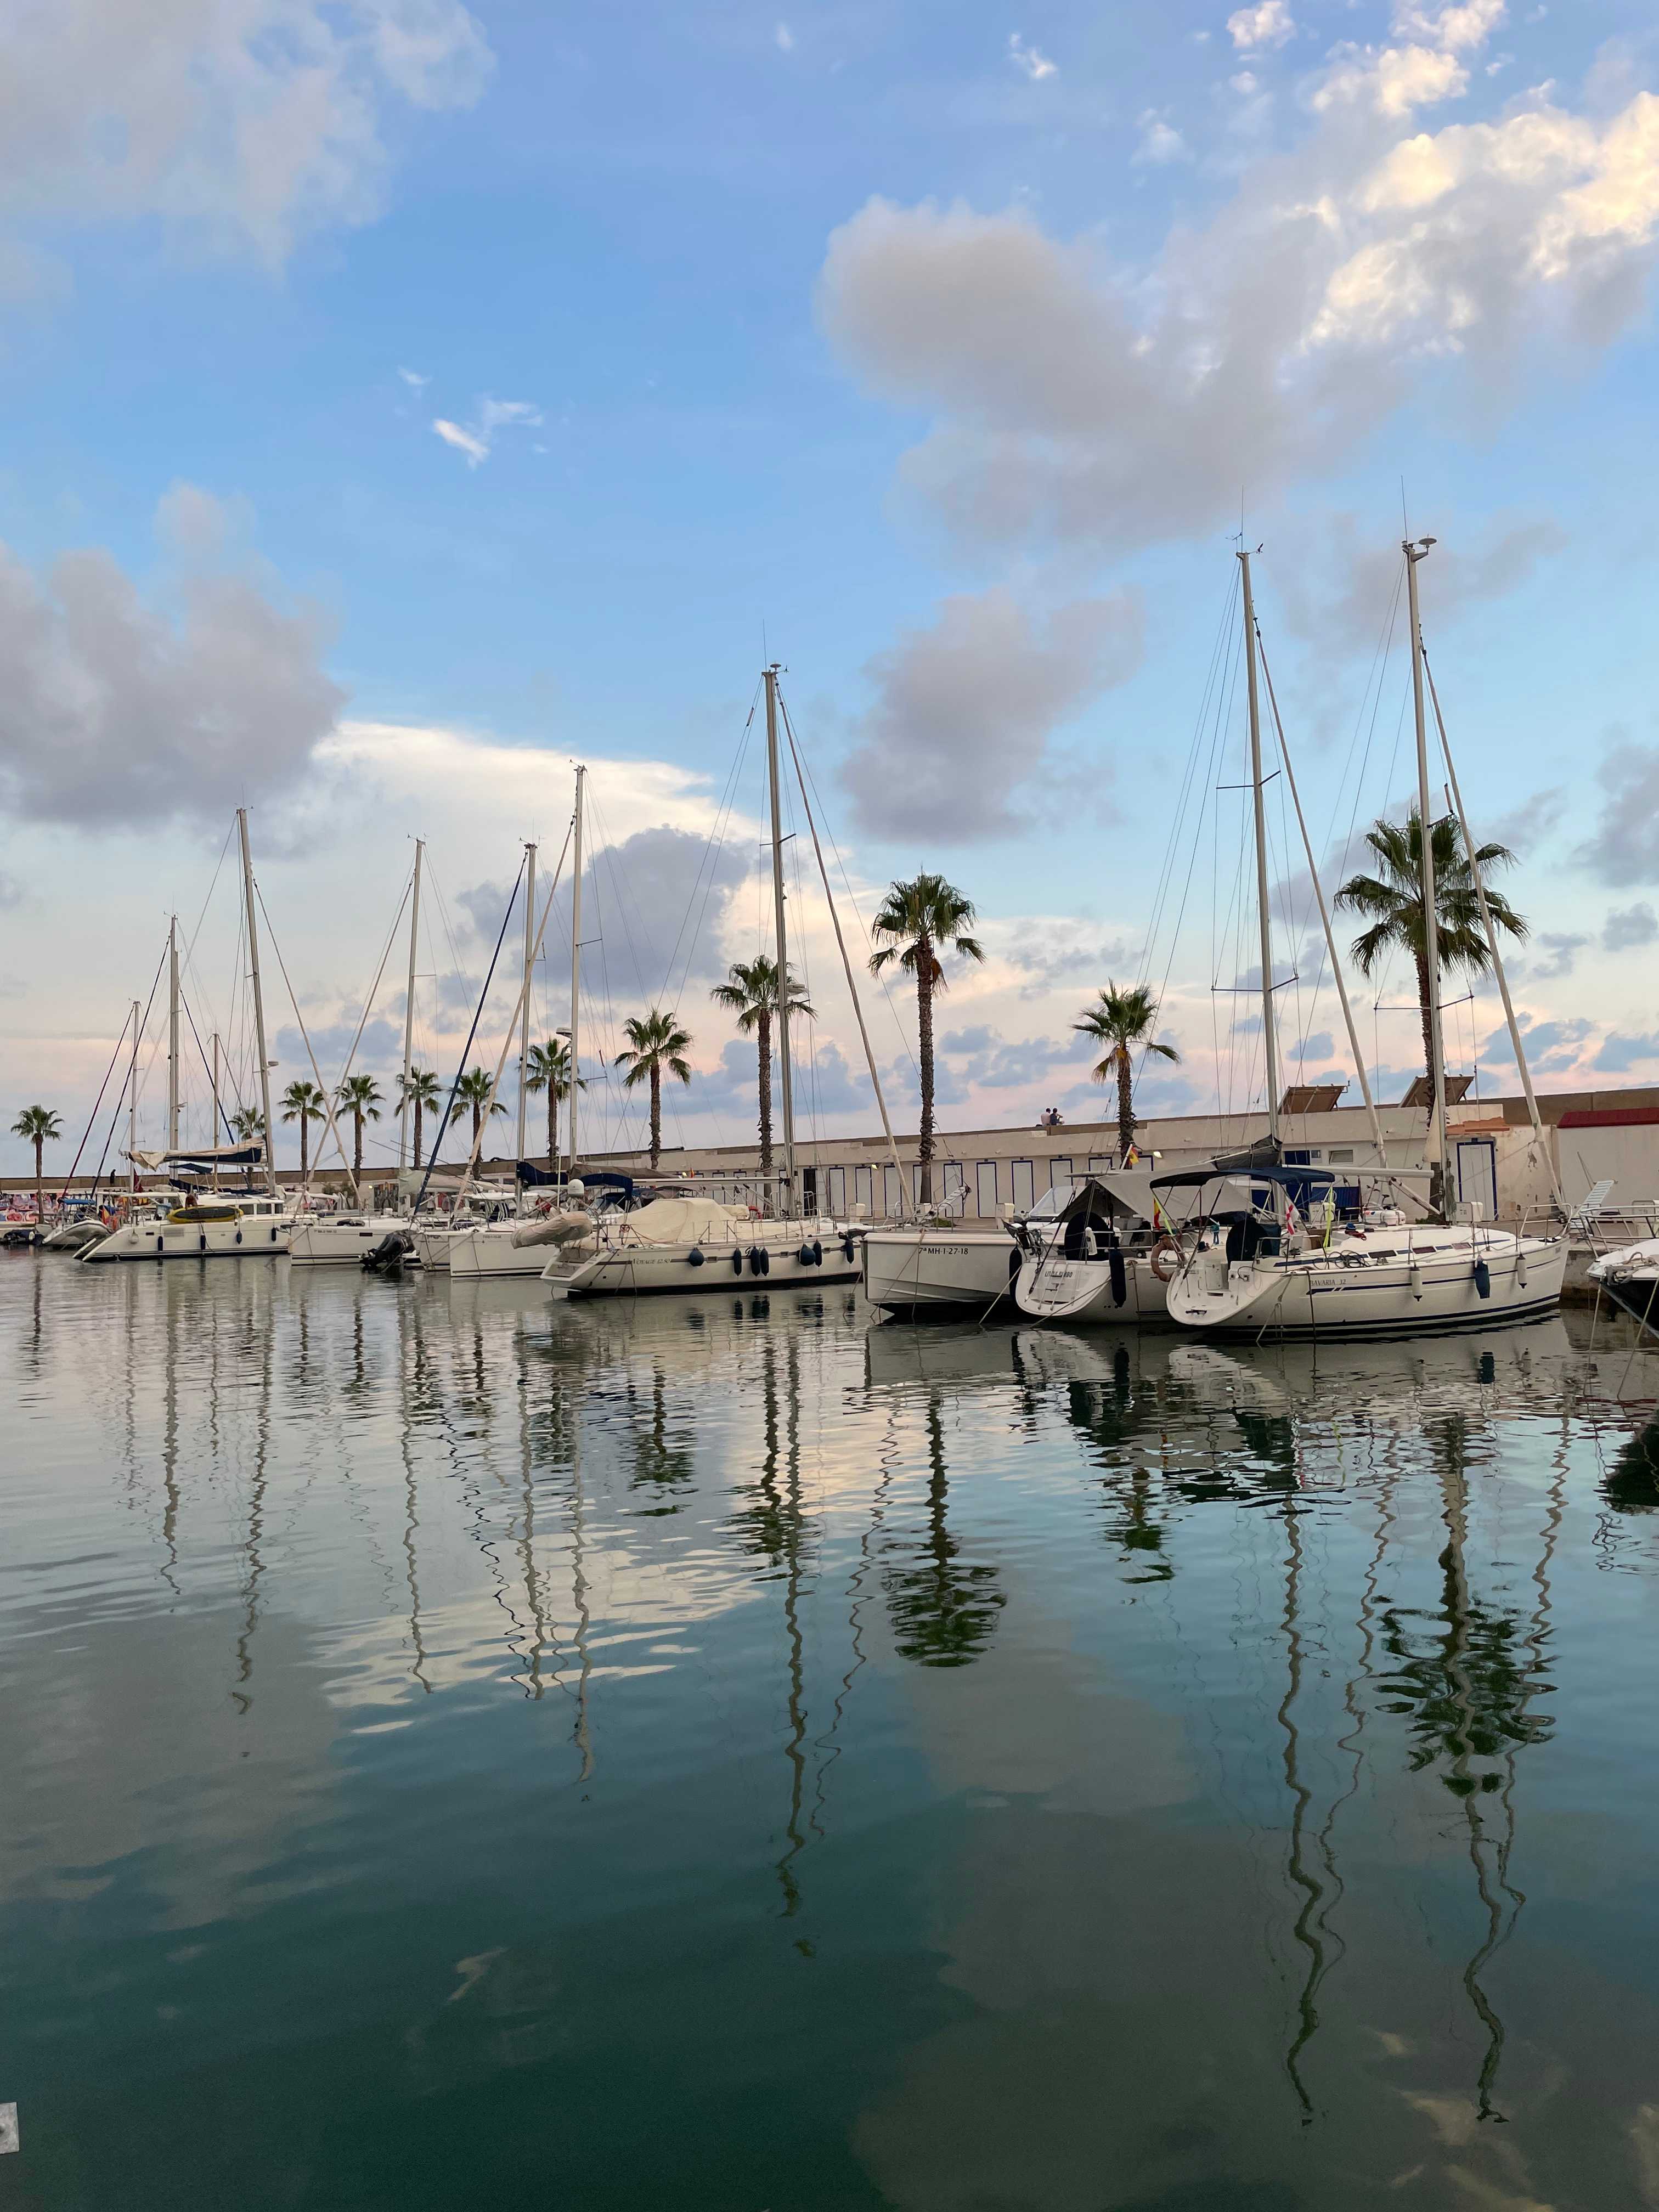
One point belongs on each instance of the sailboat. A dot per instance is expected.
(1260, 1268)
(691, 1242)
(228, 1225)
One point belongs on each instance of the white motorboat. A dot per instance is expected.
(77, 1234)
(1254, 1273)
(224, 1228)
(1108, 1255)
(322, 1240)
(697, 1245)
(1631, 1278)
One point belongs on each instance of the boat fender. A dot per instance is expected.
(201, 1241)
(238, 1237)
(818, 1253)
(1417, 1282)
(694, 1258)
(160, 1248)
(1120, 1277)
(737, 1263)
(1520, 1270)
(805, 1255)
(1482, 1279)
(1166, 1259)
(847, 1246)
(765, 1262)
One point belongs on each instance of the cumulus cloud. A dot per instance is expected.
(1617, 1054)
(1622, 850)
(1160, 142)
(244, 124)
(1559, 949)
(1075, 399)
(1269, 23)
(1628, 926)
(112, 707)
(957, 746)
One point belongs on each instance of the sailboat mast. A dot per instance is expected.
(785, 1069)
(409, 1006)
(1269, 1034)
(216, 1109)
(133, 1105)
(259, 1004)
(1414, 551)
(173, 1034)
(523, 1014)
(575, 965)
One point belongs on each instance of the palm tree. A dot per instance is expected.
(248, 1123)
(360, 1097)
(37, 1126)
(547, 1068)
(472, 1095)
(303, 1102)
(1392, 902)
(418, 1089)
(655, 1042)
(1123, 1020)
(920, 918)
(751, 993)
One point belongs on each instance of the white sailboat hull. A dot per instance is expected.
(492, 1252)
(1631, 1278)
(1054, 1288)
(340, 1242)
(764, 1256)
(1420, 1282)
(909, 1268)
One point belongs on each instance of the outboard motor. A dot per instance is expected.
(386, 1258)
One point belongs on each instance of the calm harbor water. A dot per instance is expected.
(722, 1753)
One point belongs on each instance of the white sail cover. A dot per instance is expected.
(684, 1220)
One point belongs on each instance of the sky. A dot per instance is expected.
(407, 402)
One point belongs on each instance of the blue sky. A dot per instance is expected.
(939, 347)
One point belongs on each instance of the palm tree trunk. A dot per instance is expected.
(763, 1038)
(477, 1123)
(552, 1126)
(305, 1150)
(656, 1116)
(39, 1197)
(356, 1148)
(1126, 1104)
(925, 1044)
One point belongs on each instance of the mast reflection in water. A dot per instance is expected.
(721, 1753)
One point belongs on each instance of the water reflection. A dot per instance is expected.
(1046, 1768)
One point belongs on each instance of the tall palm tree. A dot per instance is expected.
(472, 1096)
(248, 1123)
(1123, 1020)
(360, 1097)
(920, 919)
(655, 1042)
(303, 1102)
(1392, 902)
(417, 1091)
(37, 1126)
(547, 1068)
(751, 992)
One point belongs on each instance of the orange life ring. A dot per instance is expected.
(1166, 1258)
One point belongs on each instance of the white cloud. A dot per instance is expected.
(112, 709)
(1035, 65)
(957, 746)
(1457, 25)
(244, 124)
(493, 414)
(1269, 24)
(786, 39)
(1077, 399)
(1160, 141)
(413, 379)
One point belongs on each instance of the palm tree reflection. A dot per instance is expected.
(944, 1611)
